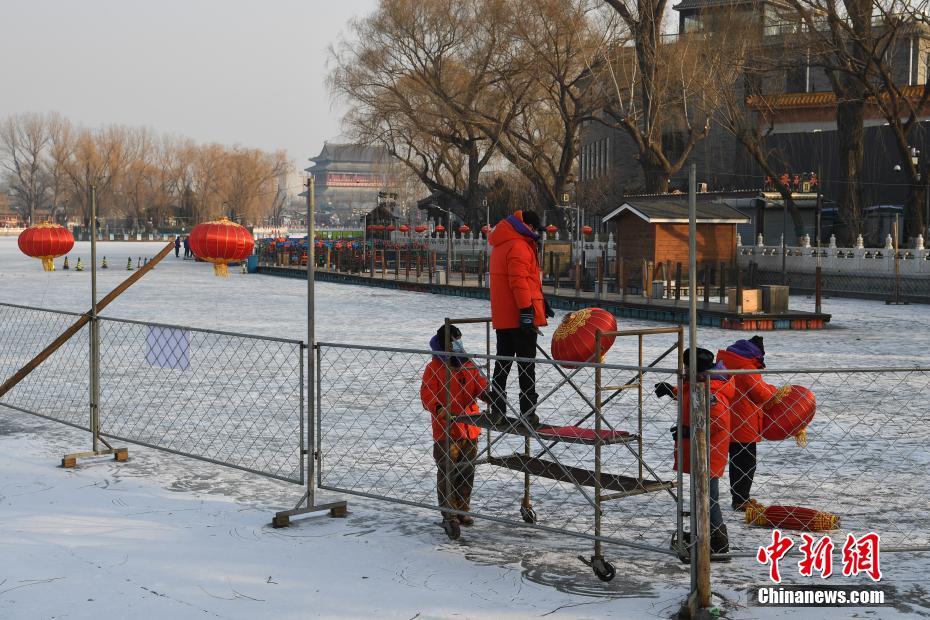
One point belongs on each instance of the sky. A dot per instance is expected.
(243, 72)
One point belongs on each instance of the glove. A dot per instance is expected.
(527, 318)
(549, 311)
(664, 389)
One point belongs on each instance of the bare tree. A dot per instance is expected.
(24, 140)
(651, 91)
(416, 75)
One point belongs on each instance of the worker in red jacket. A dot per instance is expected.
(721, 392)
(455, 451)
(745, 414)
(518, 308)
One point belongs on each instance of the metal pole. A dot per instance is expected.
(784, 242)
(448, 245)
(700, 559)
(94, 326)
(819, 270)
(311, 343)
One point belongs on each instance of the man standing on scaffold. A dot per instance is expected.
(518, 308)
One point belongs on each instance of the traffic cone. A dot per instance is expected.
(129, 264)
(79, 266)
(103, 265)
(66, 266)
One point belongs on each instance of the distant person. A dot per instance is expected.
(518, 308)
(187, 247)
(177, 246)
(454, 453)
(745, 414)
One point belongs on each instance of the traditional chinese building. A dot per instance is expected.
(348, 178)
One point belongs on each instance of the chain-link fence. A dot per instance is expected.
(59, 388)
(377, 440)
(864, 457)
(226, 398)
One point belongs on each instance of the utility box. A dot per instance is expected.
(775, 299)
(658, 289)
(751, 300)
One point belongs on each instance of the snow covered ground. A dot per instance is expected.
(164, 535)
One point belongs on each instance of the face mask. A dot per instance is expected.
(457, 346)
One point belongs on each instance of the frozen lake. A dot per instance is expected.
(862, 333)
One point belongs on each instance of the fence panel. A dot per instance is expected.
(865, 460)
(58, 388)
(230, 399)
(375, 440)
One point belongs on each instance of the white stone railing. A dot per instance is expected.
(857, 260)
(473, 242)
(9, 232)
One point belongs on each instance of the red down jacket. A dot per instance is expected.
(465, 384)
(515, 282)
(721, 391)
(751, 392)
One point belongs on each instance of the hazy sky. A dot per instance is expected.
(231, 71)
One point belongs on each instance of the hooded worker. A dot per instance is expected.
(518, 308)
(453, 383)
(745, 414)
(721, 393)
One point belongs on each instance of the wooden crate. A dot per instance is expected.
(774, 298)
(751, 300)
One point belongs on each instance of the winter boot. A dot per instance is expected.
(451, 527)
(720, 541)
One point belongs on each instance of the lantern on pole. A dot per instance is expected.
(485, 230)
(586, 230)
(464, 229)
(404, 228)
(440, 228)
(221, 242)
(391, 228)
(46, 241)
(420, 228)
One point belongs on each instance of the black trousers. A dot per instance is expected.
(514, 343)
(742, 470)
(455, 474)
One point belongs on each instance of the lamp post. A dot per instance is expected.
(448, 239)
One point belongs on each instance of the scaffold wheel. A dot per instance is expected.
(528, 514)
(604, 570)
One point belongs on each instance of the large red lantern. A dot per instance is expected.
(46, 241)
(464, 229)
(575, 338)
(221, 242)
(791, 518)
(788, 413)
(420, 228)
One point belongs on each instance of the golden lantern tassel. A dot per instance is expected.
(48, 263)
(755, 514)
(801, 438)
(221, 269)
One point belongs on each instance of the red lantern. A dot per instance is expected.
(420, 228)
(587, 230)
(371, 227)
(552, 229)
(404, 228)
(391, 228)
(788, 413)
(46, 241)
(378, 227)
(440, 228)
(574, 340)
(485, 229)
(791, 518)
(221, 242)
(464, 229)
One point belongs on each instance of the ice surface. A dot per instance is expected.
(166, 535)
